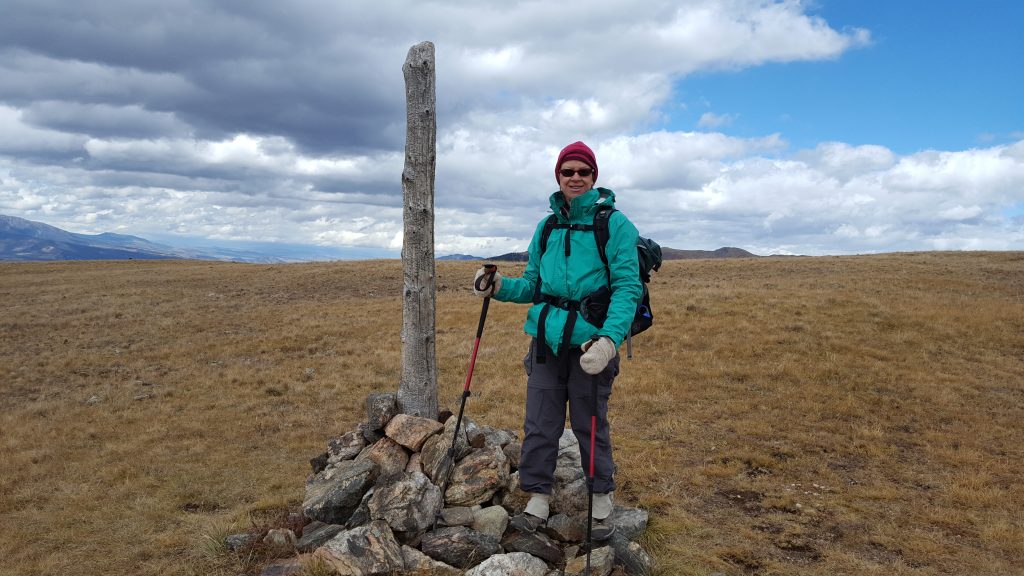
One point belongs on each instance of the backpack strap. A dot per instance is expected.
(572, 306)
(602, 234)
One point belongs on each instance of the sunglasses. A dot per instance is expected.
(569, 172)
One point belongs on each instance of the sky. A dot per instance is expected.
(779, 127)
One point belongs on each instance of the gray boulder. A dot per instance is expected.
(513, 451)
(409, 503)
(569, 497)
(492, 521)
(388, 455)
(380, 409)
(435, 451)
(477, 477)
(482, 436)
(332, 495)
(239, 541)
(566, 528)
(316, 534)
(602, 560)
(536, 544)
(416, 561)
(457, 516)
(361, 515)
(345, 447)
(369, 550)
(629, 522)
(412, 431)
(569, 494)
(459, 546)
(514, 564)
(631, 556)
(512, 498)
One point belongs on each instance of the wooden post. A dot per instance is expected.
(417, 393)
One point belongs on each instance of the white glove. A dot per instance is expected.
(495, 284)
(597, 354)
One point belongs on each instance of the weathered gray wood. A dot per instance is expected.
(417, 393)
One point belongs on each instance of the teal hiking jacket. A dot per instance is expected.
(581, 273)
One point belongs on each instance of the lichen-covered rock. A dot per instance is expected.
(435, 451)
(412, 431)
(361, 515)
(315, 534)
(569, 497)
(629, 522)
(239, 541)
(631, 556)
(513, 451)
(388, 455)
(380, 409)
(415, 463)
(482, 436)
(457, 516)
(568, 456)
(566, 528)
(492, 521)
(345, 447)
(477, 477)
(369, 550)
(409, 503)
(416, 561)
(280, 540)
(536, 544)
(602, 560)
(459, 546)
(332, 495)
(569, 493)
(513, 498)
(514, 564)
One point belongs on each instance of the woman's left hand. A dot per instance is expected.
(597, 354)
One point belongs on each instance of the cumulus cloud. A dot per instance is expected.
(245, 121)
(712, 120)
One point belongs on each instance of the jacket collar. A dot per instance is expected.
(583, 206)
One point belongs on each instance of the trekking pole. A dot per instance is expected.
(590, 480)
(484, 283)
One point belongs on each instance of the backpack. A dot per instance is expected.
(594, 307)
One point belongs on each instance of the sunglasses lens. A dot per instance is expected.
(583, 172)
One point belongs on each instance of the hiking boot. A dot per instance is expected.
(526, 523)
(602, 530)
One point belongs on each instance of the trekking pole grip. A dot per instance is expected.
(486, 280)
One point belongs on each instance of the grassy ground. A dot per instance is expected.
(833, 415)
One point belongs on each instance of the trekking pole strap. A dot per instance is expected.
(486, 280)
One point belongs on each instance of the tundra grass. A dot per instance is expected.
(830, 415)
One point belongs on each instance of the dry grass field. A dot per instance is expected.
(831, 415)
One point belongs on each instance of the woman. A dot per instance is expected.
(572, 348)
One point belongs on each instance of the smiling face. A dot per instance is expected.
(575, 185)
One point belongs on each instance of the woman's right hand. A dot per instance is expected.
(487, 281)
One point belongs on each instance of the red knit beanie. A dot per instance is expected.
(577, 151)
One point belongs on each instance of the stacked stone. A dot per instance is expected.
(376, 508)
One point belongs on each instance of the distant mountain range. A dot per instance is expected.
(26, 240)
(666, 254)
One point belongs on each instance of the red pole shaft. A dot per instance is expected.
(472, 364)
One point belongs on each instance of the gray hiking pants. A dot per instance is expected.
(546, 396)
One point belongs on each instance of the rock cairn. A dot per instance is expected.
(375, 507)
